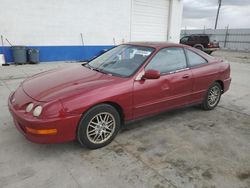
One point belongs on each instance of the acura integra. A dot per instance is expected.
(90, 102)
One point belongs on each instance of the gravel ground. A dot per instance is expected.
(232, 56)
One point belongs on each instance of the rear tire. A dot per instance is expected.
(199, 48)
(98, 126)
(212, 97)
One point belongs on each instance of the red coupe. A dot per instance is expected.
(90, 102)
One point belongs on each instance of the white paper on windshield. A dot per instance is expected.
(142, 52)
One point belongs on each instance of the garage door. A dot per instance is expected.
(149, 20)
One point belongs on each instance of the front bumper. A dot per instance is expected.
(65, 126)
(227, 83)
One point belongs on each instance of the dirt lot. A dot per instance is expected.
(232, 56)
(183, 148)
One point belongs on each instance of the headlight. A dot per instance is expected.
(37, 111)
(29, 107)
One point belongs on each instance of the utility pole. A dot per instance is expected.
(218, 11)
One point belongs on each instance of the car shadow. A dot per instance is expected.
(163, 116)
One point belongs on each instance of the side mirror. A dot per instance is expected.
(151, 74)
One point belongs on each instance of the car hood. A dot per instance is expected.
(60, 83)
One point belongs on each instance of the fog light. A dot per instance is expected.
(29, 107)
(41, 131)
(37, 111)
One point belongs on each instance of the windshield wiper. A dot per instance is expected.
(90, 67)
(86, 65)
(95, 69)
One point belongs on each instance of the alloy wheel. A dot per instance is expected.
(213, 95)
(101, 127)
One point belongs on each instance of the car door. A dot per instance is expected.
(171, 90)
(204, 74)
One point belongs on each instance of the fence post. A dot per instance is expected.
(226, 34)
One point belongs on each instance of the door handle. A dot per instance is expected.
(185, 76)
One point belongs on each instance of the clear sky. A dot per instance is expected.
(200, 13)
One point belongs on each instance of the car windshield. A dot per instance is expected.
(122, 60)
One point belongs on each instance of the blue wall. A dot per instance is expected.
(61, 53)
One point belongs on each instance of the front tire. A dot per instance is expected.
(212, 97)
(98, 126)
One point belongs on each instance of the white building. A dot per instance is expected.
(55, 26)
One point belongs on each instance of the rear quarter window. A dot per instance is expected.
(195, 59)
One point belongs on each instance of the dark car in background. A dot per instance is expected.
(204, 42)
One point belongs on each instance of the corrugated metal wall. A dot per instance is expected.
(149, 20)
(234, 39)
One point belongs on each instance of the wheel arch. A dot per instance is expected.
(117, 107)
(111, 103)
(221, 84)
(199, 45)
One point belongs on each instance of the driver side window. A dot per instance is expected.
(168, 60)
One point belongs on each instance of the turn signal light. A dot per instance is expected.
(41, 131)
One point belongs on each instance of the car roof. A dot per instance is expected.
(156, 44)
